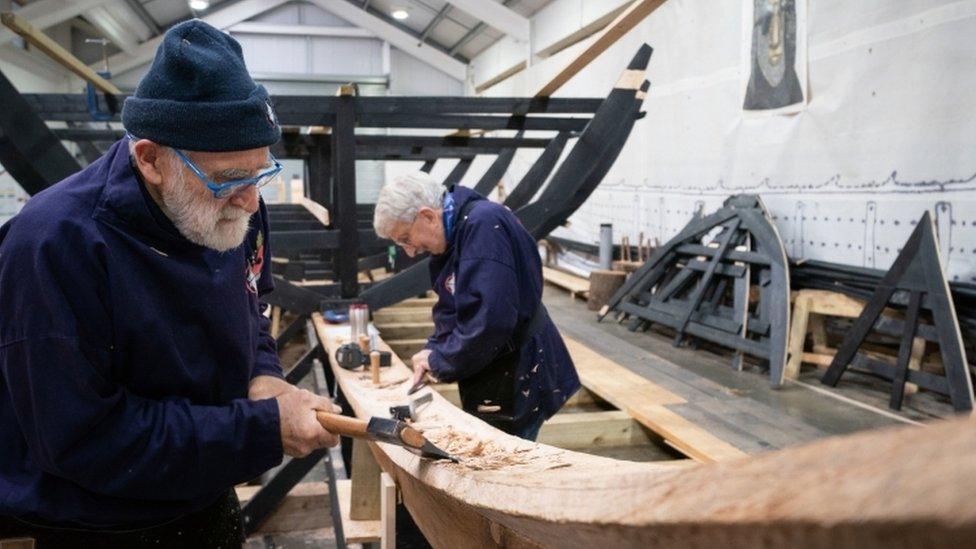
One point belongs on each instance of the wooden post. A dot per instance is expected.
(275, 320)
(740, 300)
(603, 284)
(344, 193)
(918, 354)
(374, 366)
(798, 335)
(365, 499)
(388, 501)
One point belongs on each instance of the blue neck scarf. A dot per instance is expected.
(448, 217)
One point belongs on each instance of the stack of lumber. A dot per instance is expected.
(861, 282)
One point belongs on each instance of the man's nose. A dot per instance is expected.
(246, 199)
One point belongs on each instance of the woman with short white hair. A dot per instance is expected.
(491, 332)
(401, 201)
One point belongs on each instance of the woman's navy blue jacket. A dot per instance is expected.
(487, 292)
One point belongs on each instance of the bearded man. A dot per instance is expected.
(138, 379)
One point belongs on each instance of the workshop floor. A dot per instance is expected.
(741, 407)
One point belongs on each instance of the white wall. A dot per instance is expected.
(887, 133)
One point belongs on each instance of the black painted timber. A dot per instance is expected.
(29, 151)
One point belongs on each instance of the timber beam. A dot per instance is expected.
(298, 110)
(542, 496)
(29, 150)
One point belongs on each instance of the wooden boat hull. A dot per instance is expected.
(909, 486)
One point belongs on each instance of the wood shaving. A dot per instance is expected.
(481, 455)
(368, 380)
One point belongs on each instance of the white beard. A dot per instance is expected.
(202, 221)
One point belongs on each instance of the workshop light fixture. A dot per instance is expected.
(199, 5)
(400, 14)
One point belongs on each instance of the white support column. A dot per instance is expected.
(385, 63)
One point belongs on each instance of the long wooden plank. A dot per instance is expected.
(317, 210)
(54, 50)
(620, 26)
(305, 507)
(646, 402)
(582, 397)
(576, 285)
(393, 315)
(575, 431)
(417, 302)
(831, 493)
(406, 348)
(406, 330)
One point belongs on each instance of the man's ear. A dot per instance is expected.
(148, 157)
(428, 214)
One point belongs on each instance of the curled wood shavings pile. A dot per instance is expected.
(484, 455)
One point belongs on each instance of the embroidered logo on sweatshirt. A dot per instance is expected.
(254, 264)
(449, 284)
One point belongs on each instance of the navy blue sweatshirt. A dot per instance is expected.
(484, 295)
(125, 357)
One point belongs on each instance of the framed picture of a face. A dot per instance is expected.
(774, 52)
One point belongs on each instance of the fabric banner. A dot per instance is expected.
(774, 56)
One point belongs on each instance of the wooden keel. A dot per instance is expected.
(902, 487)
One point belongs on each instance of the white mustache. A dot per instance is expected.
(233, 213)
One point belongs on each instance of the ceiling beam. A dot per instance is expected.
(220, 18)
(496, 15)
(468, 36)
(396, 36)
(112, 25)
(141, 11)
(299, 30)
(475, 31)
(47, 13)
(434, 22)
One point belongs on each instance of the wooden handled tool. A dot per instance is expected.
(343, 425)
(374, 365)
(382, 430)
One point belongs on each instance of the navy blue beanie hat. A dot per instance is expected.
(198, 95)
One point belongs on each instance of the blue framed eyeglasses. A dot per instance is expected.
(232, 187)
